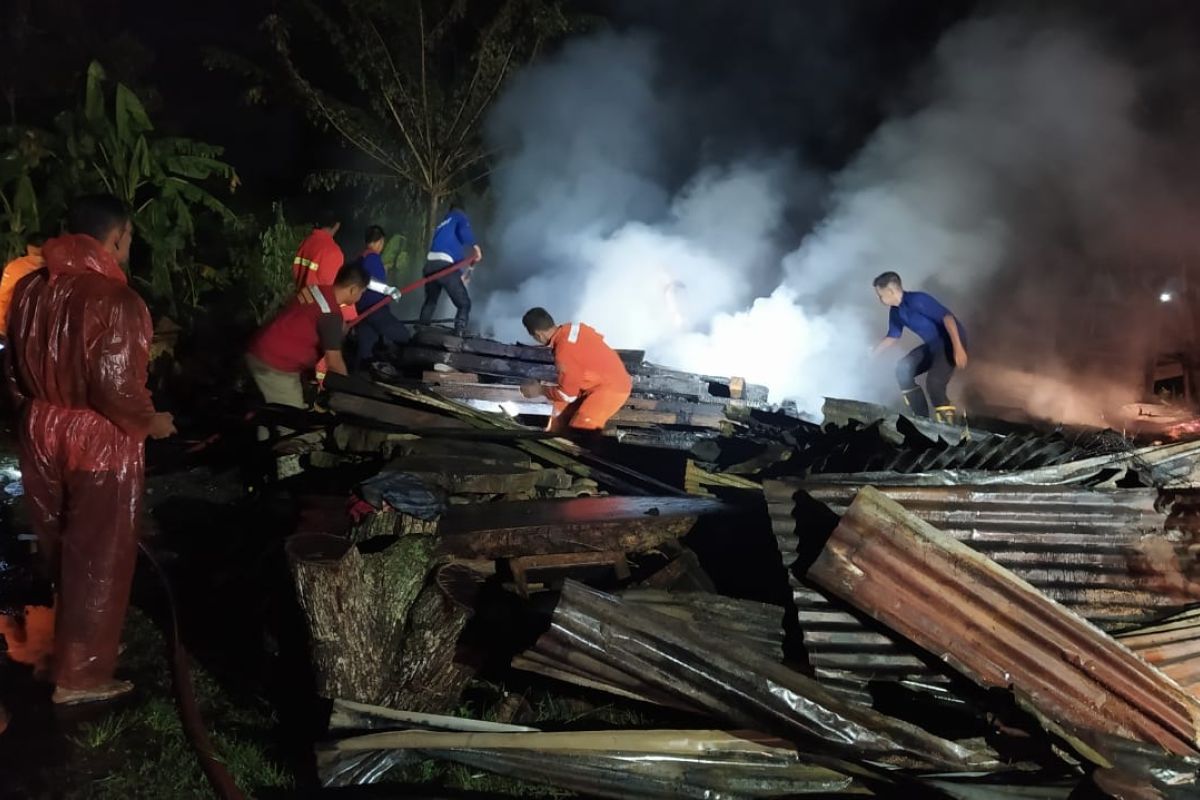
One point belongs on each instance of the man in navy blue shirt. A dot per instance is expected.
(382, 327)
(452, 242)
(942, 345)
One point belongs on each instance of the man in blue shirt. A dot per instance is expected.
(452, 242)
(382, 327)
(942, 345)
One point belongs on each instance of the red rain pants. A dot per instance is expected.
(83, 482)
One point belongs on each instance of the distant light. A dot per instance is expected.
(1166, 297)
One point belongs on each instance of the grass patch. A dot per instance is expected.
(142, 752)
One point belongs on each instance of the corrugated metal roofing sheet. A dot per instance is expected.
(700, 669)
(1113, 557)
(1172, 645)
(996, 629)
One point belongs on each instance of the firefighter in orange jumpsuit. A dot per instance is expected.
(593, 383)
(16, 269)
(76, 362)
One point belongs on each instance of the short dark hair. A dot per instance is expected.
(327, 219)
(886, 279)
(374, 234)
(537, 319)
(353, 274)
(96, 215)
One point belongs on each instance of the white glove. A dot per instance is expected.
(393, 292)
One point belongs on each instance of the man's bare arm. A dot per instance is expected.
(884, 344)
(960, 352)
(336, 362)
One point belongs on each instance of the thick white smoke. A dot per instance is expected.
(1019, 137)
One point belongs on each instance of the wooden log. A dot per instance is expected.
(628, 524)
(356, 604)
(390, 523)
(431, 679)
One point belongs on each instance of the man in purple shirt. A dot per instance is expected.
(942, 347)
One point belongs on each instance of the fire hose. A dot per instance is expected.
(219, 777)
(441, 273)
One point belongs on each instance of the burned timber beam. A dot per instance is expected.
(625, 524)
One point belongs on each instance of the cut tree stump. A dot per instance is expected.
(431, 678)
(357, 605)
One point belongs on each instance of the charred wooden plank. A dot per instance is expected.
(392, 413)
(628, 524)
(425, 357)
(434, 377)
(464, 475)
(442, 339)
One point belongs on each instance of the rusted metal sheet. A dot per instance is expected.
(698, 669)
(627, 524)
(1118, 558)
(996, 629)
(1172, 645)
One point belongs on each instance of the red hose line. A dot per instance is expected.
(441, 273)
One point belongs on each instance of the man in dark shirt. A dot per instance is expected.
(942, 345)
(381, 327)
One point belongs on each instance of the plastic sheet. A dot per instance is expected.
(404, 492)
(79, 342)
(648, 764)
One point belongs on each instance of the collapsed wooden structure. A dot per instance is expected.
(1009, 565)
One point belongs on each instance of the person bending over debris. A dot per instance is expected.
(79, 344)
(942, 346)
(308, 328)
(593, 383)
(452, 242)
(381, 327)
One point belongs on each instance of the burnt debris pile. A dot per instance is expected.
(871, 605)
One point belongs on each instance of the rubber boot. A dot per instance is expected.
(916, 402)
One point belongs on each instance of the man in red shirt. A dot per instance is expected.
(308, 329)
(319, 258)
(593, 383)
(79, 344)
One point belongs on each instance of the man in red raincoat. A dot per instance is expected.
(79, 343)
